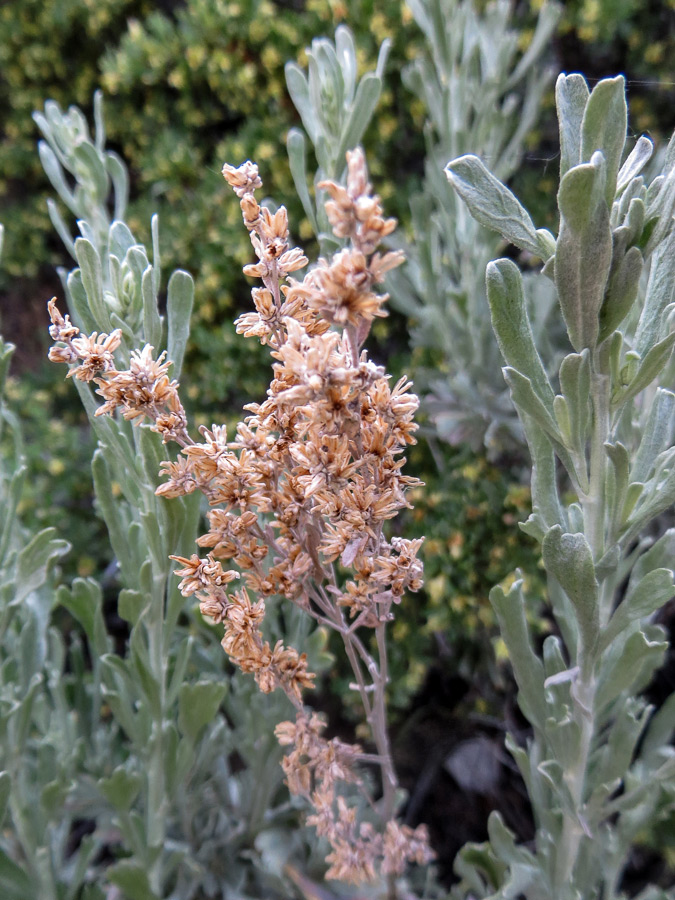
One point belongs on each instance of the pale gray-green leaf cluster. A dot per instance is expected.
(335, 107)
(599, 764)
(482, 98)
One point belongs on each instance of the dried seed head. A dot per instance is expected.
(244, 179)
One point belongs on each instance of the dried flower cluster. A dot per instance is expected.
(315, 767)
(243, 642)
(143, 390)
(301, 494)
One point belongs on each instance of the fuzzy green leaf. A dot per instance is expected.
(179, 754)
(604, 128)
(54, 172)
(78, 302)
(575, 383)
(492, 204)
(5, 788)
(660, 555)
(617, 482)
(152, 323)
(584, 250)
(14, 883)
(35, 562)
(120, 789)
(511, 325)
(111, 511)
(651, 366)
(624, 669)
(60, 226)
(298, 88)
(527, 667)
(145, 677)
(297, 159)
(53, 797)
(132, 878)
(545, 502)
(89, 160)
(571, 95)
(120, 239)
(120, 179)
(131, 604)
(660, 294)
(84, 602)
(528, 401)
(198, 705)
(622, 290)
(635, 162)
(657, 435)
(367, 94)
(650, 594)
(569, 559)
(92, 280)
(180, 298)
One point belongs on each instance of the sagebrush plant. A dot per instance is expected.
(321, 458)
(599, 764)
(303, 492)
(37, 737)
(175, 811)
(44, 738)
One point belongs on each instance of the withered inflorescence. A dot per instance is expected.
(301, 495)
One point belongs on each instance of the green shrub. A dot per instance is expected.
(48, 48)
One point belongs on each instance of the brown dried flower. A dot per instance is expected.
(301, 496)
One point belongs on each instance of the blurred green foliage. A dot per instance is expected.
(468, 511)
(635, 37)
(600, 38)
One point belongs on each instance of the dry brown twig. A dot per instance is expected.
(300, 496)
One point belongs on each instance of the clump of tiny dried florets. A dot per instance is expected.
(93, 353)
(243, 641)
(143, 390)
(301, 494)
(315, 768)
(313, 475)
(341, 289)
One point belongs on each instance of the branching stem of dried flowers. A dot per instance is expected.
(300, 496)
